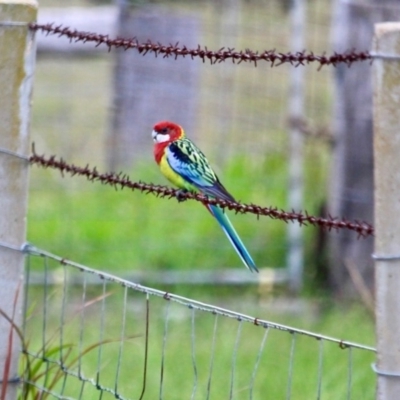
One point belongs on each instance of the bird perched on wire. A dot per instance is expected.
(183, 164)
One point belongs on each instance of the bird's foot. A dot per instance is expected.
(180, 195)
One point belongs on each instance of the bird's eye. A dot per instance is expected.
(163, 131)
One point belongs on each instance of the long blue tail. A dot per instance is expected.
(233, 237)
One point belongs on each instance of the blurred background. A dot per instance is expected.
(292, 138)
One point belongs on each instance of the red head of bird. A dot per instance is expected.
(163, 134)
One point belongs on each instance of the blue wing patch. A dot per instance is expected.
(189, 162)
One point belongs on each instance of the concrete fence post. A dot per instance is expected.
(386, 80)
(17, 57)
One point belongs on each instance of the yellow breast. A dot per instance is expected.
(172, 176)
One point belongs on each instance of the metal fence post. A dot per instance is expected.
(17, 57)
(295, 257)
(386, 76)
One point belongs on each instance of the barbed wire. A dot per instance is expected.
(121, 180)
(273, 57)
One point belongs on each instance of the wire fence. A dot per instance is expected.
(124, 340)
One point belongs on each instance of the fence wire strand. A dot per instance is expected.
(198, 305)
(257, 363)
(212, 357)
(234, 357)
(350, 373)
(193, 351)
(164, 344)
(290, 373)
(101, 331)
(320, 368)
(121, 181)
(273, 57)
(82, 322)
(122, 338)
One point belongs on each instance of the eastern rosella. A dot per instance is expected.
(183, 164)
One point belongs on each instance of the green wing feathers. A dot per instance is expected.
(188, 161)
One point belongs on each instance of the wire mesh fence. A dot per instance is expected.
(109, 338)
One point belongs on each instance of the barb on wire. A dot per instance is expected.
(273, 57)
(121, 180)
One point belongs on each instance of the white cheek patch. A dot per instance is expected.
(161, 138)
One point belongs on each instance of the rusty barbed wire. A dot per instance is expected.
(273, 57)
(121, 180)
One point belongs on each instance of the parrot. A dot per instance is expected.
(186, 167)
